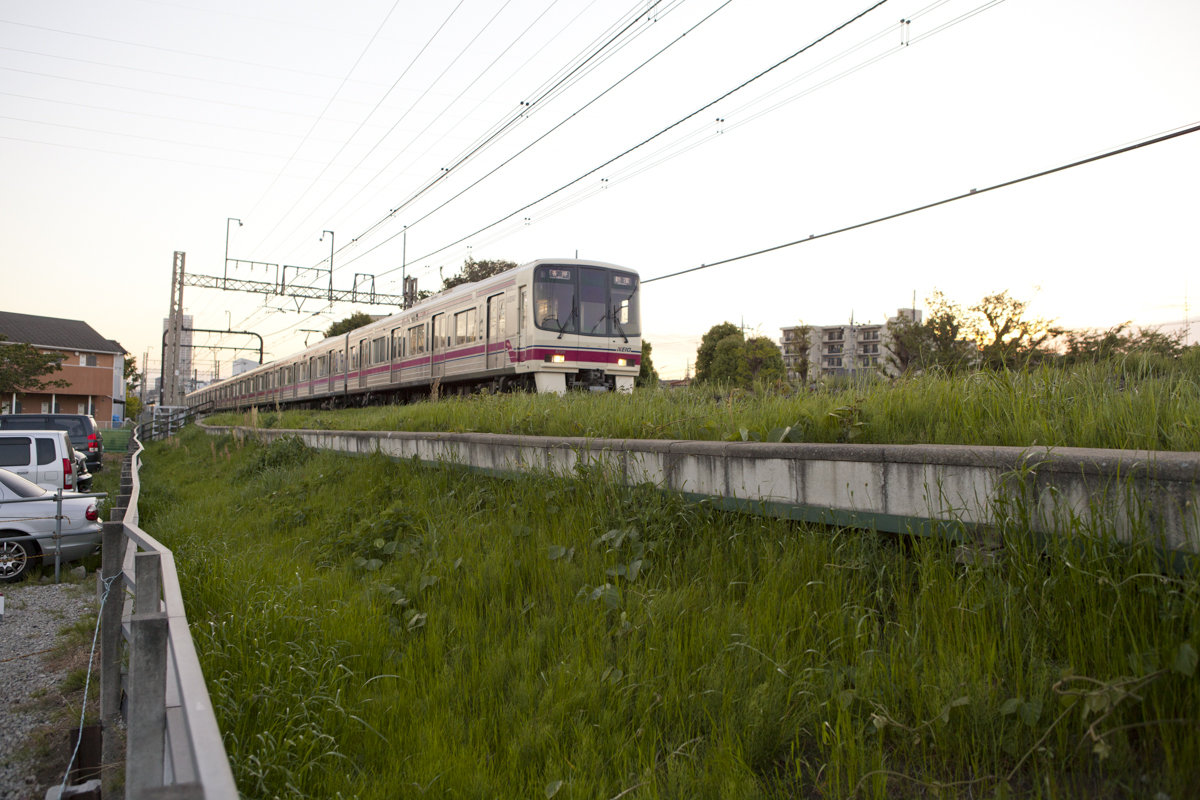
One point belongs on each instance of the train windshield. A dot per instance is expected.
(592, 301)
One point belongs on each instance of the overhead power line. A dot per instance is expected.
(328, 103)
(973, 193)
(167, 49)
(597, 53)
(524, 149)
(640, 144)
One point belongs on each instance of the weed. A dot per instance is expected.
(368, 626)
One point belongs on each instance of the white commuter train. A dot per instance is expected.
(546, 326)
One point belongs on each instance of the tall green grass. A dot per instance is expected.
(1090, 406)
(377, 630)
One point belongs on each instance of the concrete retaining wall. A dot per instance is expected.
(1127, 494)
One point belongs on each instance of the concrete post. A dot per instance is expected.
(146, 567)
(112, 556)
(147, 722)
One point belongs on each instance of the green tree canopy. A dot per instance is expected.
(648, 376)
(1006, 336)
(1121, 340)
(799, 346)
(22, 367)
(762, 360)
(708, 348)
(939, 342)
(474, 271)
(355, 320)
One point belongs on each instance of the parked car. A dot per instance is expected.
(85, 435)
(42, 457)
(27, 529)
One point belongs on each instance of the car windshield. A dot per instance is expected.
(19, 486)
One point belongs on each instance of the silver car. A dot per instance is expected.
(27, 528)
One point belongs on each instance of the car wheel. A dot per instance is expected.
(16, 558)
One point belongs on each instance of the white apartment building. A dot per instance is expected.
(841, 349)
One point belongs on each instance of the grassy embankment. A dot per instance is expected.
(1092, 406)
(381, 630)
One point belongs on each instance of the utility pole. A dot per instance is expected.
(169, 393)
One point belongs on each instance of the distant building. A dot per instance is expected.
(94, 367)
(840, 349)
(241, 365)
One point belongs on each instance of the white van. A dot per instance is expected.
(42, 457)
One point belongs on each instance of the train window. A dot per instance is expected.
(379, 353)
(554, 305)
(522, 305)
(439, 332)
(593, 301)
(464, 326)
(397, 343)
(416, 339)
(496, 328)
(321, 368)
(624, 290)
(353, 358)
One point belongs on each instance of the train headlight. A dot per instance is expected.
(556, 359)
(621, 362)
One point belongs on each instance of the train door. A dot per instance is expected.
(364, 358)
(397, 353)
(497, 333)
(438, 360)
(522, 323)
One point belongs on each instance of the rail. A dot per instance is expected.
(173, 745)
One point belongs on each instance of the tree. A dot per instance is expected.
(761, 360)
(355, 320)
(1119, 341)
(474, 271)
(648, 376)
(728, 361)
(1006, 338)
(133, 406)
(22, 367)
(133, 378)
(708, 348)
(797, 344)
(940, 342)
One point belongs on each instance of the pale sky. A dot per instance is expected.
(135, 128)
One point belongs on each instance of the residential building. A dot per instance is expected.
(94, 367)
(840, 349)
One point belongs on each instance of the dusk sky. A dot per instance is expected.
(135, 128)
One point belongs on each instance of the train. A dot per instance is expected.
(550, 325)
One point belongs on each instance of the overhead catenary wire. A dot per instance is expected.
(663, 154)
(523, 150)
(548, 91)
(167, 49)
(328, 104)
(972, 193)
(629, 150)
(363, 122)
(647, 140)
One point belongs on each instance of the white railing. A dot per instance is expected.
(172, 738)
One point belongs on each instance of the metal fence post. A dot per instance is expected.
(113, 554)
(147, 706)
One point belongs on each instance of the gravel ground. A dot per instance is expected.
(33, 615)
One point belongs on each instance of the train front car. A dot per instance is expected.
(587, 328)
